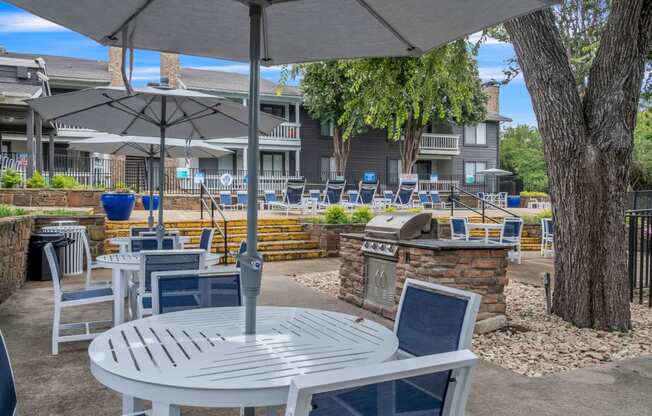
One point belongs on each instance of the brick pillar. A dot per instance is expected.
(170, 68)
(493, 98)
(115, 61)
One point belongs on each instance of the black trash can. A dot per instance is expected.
(37, 263)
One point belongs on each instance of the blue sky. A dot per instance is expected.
(23, 32)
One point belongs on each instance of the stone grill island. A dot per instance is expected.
(398, 246)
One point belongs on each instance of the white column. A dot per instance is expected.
(297, 161)
(244, 158)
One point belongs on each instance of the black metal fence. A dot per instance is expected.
(637, 200)
(639, 259)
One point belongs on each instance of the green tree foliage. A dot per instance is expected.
(327, 87)
(403, 95)
(521, 151)
(641, 170)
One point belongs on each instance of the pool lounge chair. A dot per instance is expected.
(226, 200)
(404, 194)
(293, 196)
(365, 195)
(333, 192)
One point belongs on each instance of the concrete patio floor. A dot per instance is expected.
(63, 385)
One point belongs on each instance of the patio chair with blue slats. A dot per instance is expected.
(433, 319)
(405, 193)
(293, 197)
(365, 195)
(424, 199)
(193, 289)
(206, 239)
(388, 198)
(161, 261)
(8, 398)
(353, 196)
(242, 199)
(437, 202)
(270, 198)
(459, 228)
(138, 244)
(333, 192)
(511, 234)
(226, 200)
(433, 385)
(547, 237)
(135, 231)
(65, 299)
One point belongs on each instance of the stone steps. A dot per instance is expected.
(278, 239)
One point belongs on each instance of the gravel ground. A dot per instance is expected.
(534, 343)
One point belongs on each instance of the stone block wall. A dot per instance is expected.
(14, 241)
(483, 271)
(60, 198)
(328, 235)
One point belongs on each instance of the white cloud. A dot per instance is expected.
(146, 73)
(18, 22)
(488, 41)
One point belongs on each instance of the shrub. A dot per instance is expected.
(9, 211)
(528, 194)
(336, 214)
(536, 218)
(11, 178)
(390, 209)
(64, 182)
(36, 181)
(122, 187)
(362, 215)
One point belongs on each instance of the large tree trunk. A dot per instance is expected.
(341, 149)
(587, 145)
(410, 145)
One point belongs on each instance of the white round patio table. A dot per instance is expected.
(129, 262)
(486, 227)
(202, 358)
(123, 242)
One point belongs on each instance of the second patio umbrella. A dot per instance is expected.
(152, 111)
(149, 147)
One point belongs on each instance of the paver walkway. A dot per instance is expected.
(63, 385)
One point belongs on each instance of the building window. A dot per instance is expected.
(273, 109)
(475, 134)
(326, 129)
(394, 171)
(470, 169)
(327, 168)
(272, 163)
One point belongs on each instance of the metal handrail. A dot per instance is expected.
(214, 205)
(483, 203)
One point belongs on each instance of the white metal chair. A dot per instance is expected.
(91, 265)
(511, 234)
(433, 319)
(8, 397)
(430, 385)
(160, 261)
(70, 299)
(193, 289)
(547, 237)
(533, 203)
(502, 199)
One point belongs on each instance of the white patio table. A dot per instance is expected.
(122, 263)
(486, 227)
(123, 242)
(202, 358)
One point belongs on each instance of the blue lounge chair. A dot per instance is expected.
(436, 200)
(511, 234)
(293, 198)
(270, 198)
(226, 200)
(405, 193)
(334, 191)
(365, 195)
(242, 199)
(206, 239)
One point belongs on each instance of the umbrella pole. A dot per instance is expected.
(150, 179)
(161, 175)
(252, 263)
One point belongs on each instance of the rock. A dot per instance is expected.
(490, 324)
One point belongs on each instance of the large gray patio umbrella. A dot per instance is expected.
(149, 147)
(152, 111)
(289, 31)
(494, 172)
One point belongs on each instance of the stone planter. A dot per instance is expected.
(328, 235)
(118, 205)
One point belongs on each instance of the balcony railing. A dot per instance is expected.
(435, 143)
(286, 131)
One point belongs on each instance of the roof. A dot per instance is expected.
(19, 90)
(493, 116)
(229, 82)
(69, 68)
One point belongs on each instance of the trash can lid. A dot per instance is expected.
(47, 236)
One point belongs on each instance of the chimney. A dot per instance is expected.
(492, 90)
(170, 68)
(115, 61)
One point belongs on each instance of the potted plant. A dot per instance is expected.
(146, 199)
(119, 203)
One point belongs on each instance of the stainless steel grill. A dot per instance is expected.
(383, 235)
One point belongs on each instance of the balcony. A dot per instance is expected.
(440, 144)
(286, 132)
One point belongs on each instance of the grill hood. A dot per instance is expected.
(401, 226)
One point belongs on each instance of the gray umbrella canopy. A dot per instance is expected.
(494, 172)
(149, 147)
(276, 32)
(293, 30)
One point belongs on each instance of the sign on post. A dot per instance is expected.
(183, 173)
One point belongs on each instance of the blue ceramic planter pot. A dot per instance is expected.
(117, 205)
(146, 201)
